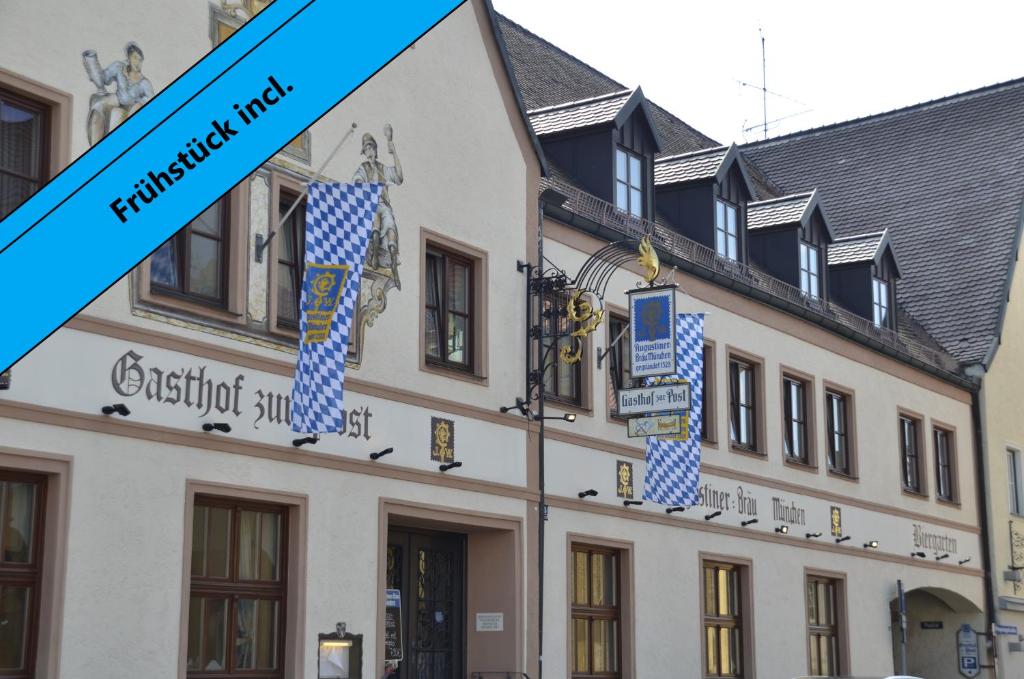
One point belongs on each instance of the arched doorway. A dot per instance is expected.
(934, 617)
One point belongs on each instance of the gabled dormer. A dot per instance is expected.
(862, 273)
(704, 195)
(605, 145)
(788, 237)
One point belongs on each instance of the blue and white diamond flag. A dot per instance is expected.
(673, 463)
(339, 219)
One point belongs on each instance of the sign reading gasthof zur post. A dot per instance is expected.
(652, 327)
(661, 398)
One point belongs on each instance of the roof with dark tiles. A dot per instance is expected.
(548, 76)
(778, 211)
(578, 114)
(946, 178)
(855, 249)
(688, 167)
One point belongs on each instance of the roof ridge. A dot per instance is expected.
(688, 154)
(860, 236)
(580, 102)
(556, 47)
(921, 105)
(788, 196)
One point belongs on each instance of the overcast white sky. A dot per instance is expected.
(831, 61)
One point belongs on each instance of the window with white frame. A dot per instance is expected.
(880, 303)
(810, 277)
(726, 230)
(629, 183)
(1013, 477)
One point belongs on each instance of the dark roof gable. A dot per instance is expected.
(946, 178)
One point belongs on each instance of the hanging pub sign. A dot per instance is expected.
(655, 425)
(624, 479)
(392, 625)
(652, 313)
(660, 398)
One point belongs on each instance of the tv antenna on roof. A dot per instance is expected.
(765, 92)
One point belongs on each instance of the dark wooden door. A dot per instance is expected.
(429, 569)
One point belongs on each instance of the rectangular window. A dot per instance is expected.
(24, 149)
(880, 303)
(595, 612)
(237, 593)
(562, 381)
(823, 626)
(193, 263)
(810, 278)
(619, 375)
(945, 483)
(449, 310)
(742, 404)
(794, 393)
(723, 621)
(21, 522)
(1013, 477)
(629, 183)
(726, 230)
(707, 398)
(291, 259)
(910, 454)
(837, 421)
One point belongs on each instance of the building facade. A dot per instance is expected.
(151, 482)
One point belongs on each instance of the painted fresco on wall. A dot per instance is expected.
(226, 17)
(380, 273)
(131, 89)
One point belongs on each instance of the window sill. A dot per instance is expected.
(453, 373)
(749, 452)
(951, 502)
(156, 301)
(568, 406)
(708, 443)
(793, 463)
(843, 476)
(916, 494)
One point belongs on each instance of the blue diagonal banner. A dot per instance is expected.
(88, 227)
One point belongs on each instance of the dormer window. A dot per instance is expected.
(810, 276)
(726, 230)
(629, 182)
(880, 303)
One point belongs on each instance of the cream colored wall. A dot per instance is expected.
(1004, 428)
(462, 156)
(878, 396)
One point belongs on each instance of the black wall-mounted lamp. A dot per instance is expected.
(450, 465)
(587, 493)
(381, 453)
(680, 508)
(748, 522)
(219, 426)
(919, 555)
(871, 545)
(940, 557)
(119, 408)
(5, 380)
(963, 561)
(520, 406)
(303, 441)
(782, 529)
(843, 538)
(708, 517)
(811, 536)
(568, 417)
(632, 503)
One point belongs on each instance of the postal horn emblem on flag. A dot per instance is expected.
(339, 219)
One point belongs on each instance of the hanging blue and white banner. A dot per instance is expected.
(673, 463)
(339, 219)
